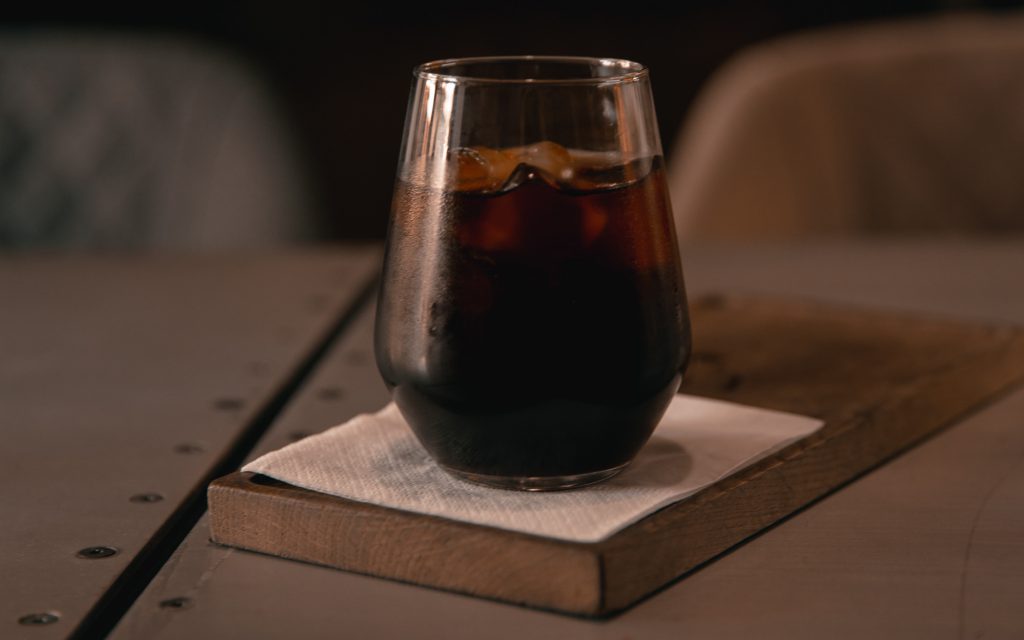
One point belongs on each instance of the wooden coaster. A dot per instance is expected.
(881, 381)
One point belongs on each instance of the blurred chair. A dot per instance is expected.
(130, 142)
(903, 128)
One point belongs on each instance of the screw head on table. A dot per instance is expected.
(180, 602)
(36, 619)
(228, 404)
(146, 497)
(330, 393)
(318, 302)
(93, 553)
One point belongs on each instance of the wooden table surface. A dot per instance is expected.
(930, 545)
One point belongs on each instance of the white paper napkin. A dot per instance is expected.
(376, 459)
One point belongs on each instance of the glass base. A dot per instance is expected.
(536, 483)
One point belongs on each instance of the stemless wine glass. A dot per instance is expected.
(532, 320)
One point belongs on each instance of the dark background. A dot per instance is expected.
(342, 73)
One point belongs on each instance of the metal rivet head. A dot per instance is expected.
(35, 619)
(228, 404)
(93, 553)
(176, 603)
(189, 447)
(318, 302)
(146, 497)
(330, 393)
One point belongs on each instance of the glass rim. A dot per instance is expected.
(629, 71)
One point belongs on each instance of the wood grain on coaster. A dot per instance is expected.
(881, 381)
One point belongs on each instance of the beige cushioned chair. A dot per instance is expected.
(121, 142)
(904, 128)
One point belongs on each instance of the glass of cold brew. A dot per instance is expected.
(532, 322)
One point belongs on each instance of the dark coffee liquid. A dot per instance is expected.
(536, 330)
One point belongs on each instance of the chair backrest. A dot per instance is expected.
(903, 128)
(121, 142)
